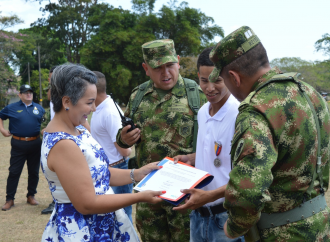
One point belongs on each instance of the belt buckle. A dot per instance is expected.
(26, 138)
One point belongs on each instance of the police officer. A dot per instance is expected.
(24, 126)
(166, 127)
(280, 149)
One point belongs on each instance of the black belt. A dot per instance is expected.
(205, 211)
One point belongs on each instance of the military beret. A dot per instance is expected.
(230, 48)
(159, 52)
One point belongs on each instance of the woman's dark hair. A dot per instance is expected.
(70, 80)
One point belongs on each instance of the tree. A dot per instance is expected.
(52, 52)
(67, 23)
(315, 73)
(115, 46)
(115, 49)
(9, 42)
(323, 44)
(44, 82)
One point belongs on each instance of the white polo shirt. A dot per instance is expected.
(105, 124)
(219, 128)
(51, 107)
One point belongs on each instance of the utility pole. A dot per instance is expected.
(29, 72)
(40, 91)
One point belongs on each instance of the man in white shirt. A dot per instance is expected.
(216, 126)
(105, 124)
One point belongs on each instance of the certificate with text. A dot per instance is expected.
(172, 178)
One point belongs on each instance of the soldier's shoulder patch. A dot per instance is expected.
(239, 149)
(185, 130)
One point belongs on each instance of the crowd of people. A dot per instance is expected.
(264, 135)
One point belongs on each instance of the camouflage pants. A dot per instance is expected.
(159, 223)
(315, 228)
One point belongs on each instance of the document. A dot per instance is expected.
(172, 178)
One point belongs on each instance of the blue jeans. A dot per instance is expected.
(209, 229)
(124, 189)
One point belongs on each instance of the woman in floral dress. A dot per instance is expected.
(77, 169)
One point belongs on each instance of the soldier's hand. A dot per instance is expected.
(130, 138)
(140, 173)
(188, 159)
(151, 196)
(197, 199)
(6, 133)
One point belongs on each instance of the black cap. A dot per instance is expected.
(25, 88)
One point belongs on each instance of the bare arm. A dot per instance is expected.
(3, 131)
(120, 177)
(122, 151)
(67, 160)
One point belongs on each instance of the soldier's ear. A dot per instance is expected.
(235, 78)
(146, 68)
(179, 61)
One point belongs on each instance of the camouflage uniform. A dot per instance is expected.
(166, 130)
(274, 153)
(45, 119)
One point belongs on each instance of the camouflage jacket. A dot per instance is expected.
(166, 125)
(45, 119)
(274, 152)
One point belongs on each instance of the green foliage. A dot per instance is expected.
(9, 43)
(67, 25)
(323, 44)
(315, 73)
(44, 82)
(115, 50)
(188, 68)
(51, 52)
(115, 46)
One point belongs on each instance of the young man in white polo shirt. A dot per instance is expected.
(216, 126)
(105, 124)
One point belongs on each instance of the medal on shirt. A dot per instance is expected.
(35, 111)
(217, 150)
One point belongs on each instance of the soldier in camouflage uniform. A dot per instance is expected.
(165, 124)
(275, 148)
(46, 117)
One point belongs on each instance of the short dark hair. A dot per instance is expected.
(249, 63)
(52, 69)
(204, 58)
(70, 80)
(101, 84)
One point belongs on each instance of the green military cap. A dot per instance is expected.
(159, 52)
(230, 48)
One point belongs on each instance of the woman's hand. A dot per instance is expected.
(151, 196)
(140, 173)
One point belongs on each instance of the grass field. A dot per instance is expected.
(25, 222)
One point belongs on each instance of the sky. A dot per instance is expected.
(287, 28)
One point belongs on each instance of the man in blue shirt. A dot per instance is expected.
(25, 118)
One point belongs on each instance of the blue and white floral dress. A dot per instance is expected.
(66, 223)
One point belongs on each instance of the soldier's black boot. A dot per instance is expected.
(49, 209)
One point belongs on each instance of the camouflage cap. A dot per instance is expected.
(230, 48)
(159, 52)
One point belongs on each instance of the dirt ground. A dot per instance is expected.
(25, 222)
